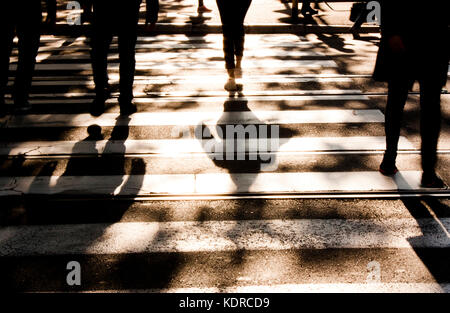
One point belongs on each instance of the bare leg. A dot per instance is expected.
(202, 8)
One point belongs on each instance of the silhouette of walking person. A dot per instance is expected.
(306, 8)
(361, 18)
(116, 17)
(414, 47)
(26, 24)
(232, 15)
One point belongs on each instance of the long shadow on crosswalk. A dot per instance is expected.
(436, 260)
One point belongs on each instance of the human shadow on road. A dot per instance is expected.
(433, 246)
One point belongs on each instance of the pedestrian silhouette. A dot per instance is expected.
(26, 24)
(306, 8)
(232, 15)
(414, 47)
(358, 16)
(116, 17)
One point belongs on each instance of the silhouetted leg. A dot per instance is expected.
(100, 41)
(227, 15)
(127, 51)
(239, 30)
(397, 95)
(357, 25)
(306, 8)
(6, 41)
(28, 31)
(430, 121)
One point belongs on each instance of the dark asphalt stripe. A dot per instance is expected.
(47, 211)
(225, 269)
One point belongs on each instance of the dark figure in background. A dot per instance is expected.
(414, 47)
(306, 8)
(26, 24)
(232, 15)
(362, 18)
(117, 17)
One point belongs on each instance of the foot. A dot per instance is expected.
(231, 85)
(388, 168)
(431, 180)
(23, 107)
(97, 107)
(128, 109)
(203, 9)
(309, 11)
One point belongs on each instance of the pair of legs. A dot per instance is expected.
(306, 8)
(232, 15)
(430, 123)
(111, 18)
(26, 25)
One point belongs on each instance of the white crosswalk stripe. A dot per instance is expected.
(215, 184)
(219, 236)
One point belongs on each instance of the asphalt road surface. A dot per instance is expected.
(153, 202)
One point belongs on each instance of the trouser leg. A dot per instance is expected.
(6, 41)
(101, 38)
(226, 10)
(28, 31)
(306, 5)
(430, 121)
(239, 30)
(397, 95)
(127, 51)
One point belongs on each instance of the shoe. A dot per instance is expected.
(203, 9)
(128, 109)
(388, 168)
(431, 180)
(23, 107)
(231, 85)
(97, 107)
(309, 11)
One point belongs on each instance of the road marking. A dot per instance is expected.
(200, 80)
(270, 77)
(191, 65)
(179, 37)
(200, 56)
(203, 93)
(213, 236)
(178, 46)
(210, 184)
(174, 147)
(197, 118)
(180, 100)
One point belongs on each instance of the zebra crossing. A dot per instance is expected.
(154, 209)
